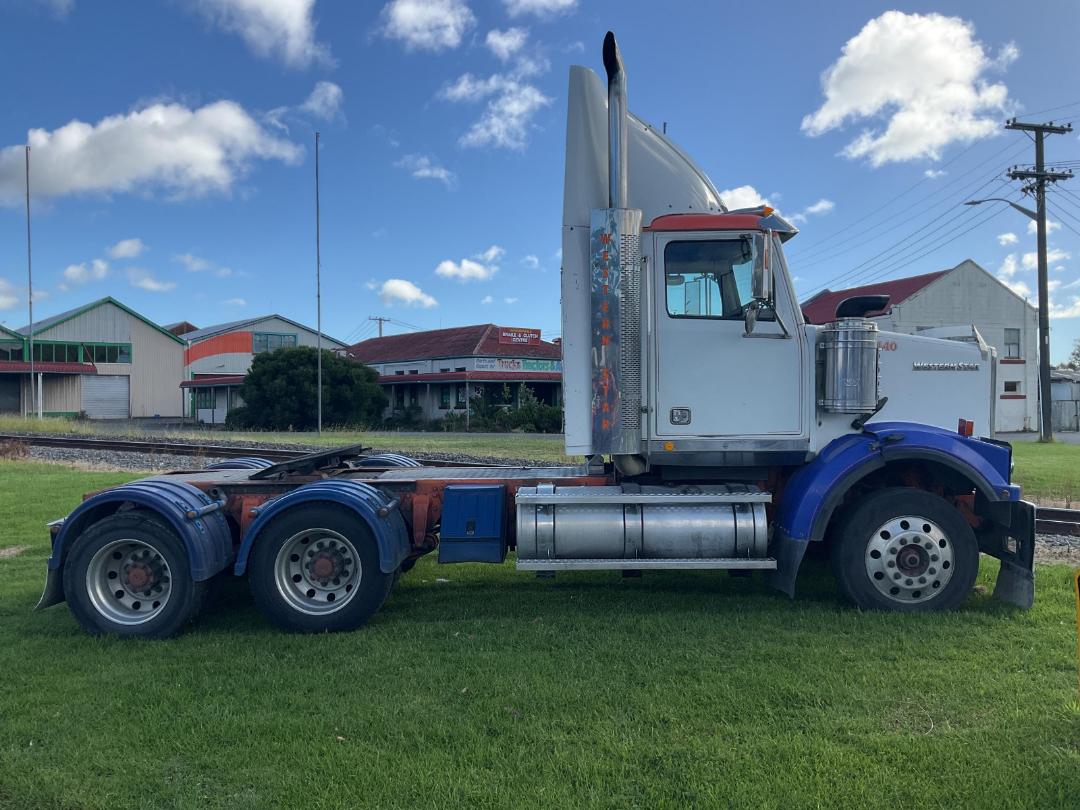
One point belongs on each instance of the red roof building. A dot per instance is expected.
(440, 370)
(821, 308)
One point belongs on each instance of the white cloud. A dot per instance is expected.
(1018, 287)
(223, 272)
(426, 167)
(531, 262)
(191, 262)
(541, 8)
(510, 300)
(8, 295)
(400, 291)
(59, 8)
(512, 103)
(487, 299)
(504, 44)
(1008, 267)
(41, 295)
(144, 280)
(186, 152)
(84, 272)
(925, 75)
(1051, 226)
(492, 254)
(236, 302)
(822, 206)
(934, 174)
(742, 197)
(1030, 261)
(126, 249)
(1007, 239)
(324, 102)
(465, 270)
(427, 25)
(280, 28)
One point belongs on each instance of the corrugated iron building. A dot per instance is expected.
(102, 359)
(218, 357)
(439, 370)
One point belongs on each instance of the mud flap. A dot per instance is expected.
(1016, 579)
(54, 589)
(788, 554)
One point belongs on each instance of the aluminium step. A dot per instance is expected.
(649, 564)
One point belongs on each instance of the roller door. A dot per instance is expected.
(106, 396)
(9, 394)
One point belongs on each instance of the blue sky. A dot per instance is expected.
(172, 145)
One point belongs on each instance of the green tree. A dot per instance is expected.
(279, 391)
(1073, 360)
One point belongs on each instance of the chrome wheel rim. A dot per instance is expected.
(909, 559)
(128, 582)
(317, 571)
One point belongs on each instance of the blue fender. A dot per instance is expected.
(206, 538)
(377, 509)
(241, 463)
(815, 490)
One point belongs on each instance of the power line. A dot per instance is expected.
(815, 250)
(937, 224)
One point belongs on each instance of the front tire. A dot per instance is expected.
(905, 550)
(129, 575)
(316, 569)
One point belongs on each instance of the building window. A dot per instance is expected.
(399, 397)
(11, 351)
(1012, 343)
(462, 368)
(445, 396)
(400, 372)
(204, 398)
(1012, 386)
(460, 396)
(444, 370)
(413, 371)
(270, 341)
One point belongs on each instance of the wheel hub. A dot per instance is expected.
(909, 559)
(128, 581)
(317, 571)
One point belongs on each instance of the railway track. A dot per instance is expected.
(173, 448)
(1050, 520)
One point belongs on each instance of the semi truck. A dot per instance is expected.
(718, 429)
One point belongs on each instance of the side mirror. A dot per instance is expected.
(761, 280)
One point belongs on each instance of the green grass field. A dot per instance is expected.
(495, 689)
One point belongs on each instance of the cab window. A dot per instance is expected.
(708, 279)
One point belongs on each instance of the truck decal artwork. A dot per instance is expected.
(605, 288)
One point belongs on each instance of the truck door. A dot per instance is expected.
(733, 385)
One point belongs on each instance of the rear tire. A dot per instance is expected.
(129, 575)
(905, 550)
(316, 569)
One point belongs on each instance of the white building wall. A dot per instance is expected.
(156, 367)
(971, 295)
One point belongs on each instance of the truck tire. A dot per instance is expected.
(316, 569)
(905, 550)
(128, 575)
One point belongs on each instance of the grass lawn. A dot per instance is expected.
(1048, 472)
(496, 689)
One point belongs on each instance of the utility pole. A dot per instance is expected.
(318, 288)
(1039, 177)
(34, 403)
(379, 320)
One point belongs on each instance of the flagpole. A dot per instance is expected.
(318, 286)
(34, 404)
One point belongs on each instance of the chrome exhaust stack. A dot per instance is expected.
(615, 292)
(618, 162)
